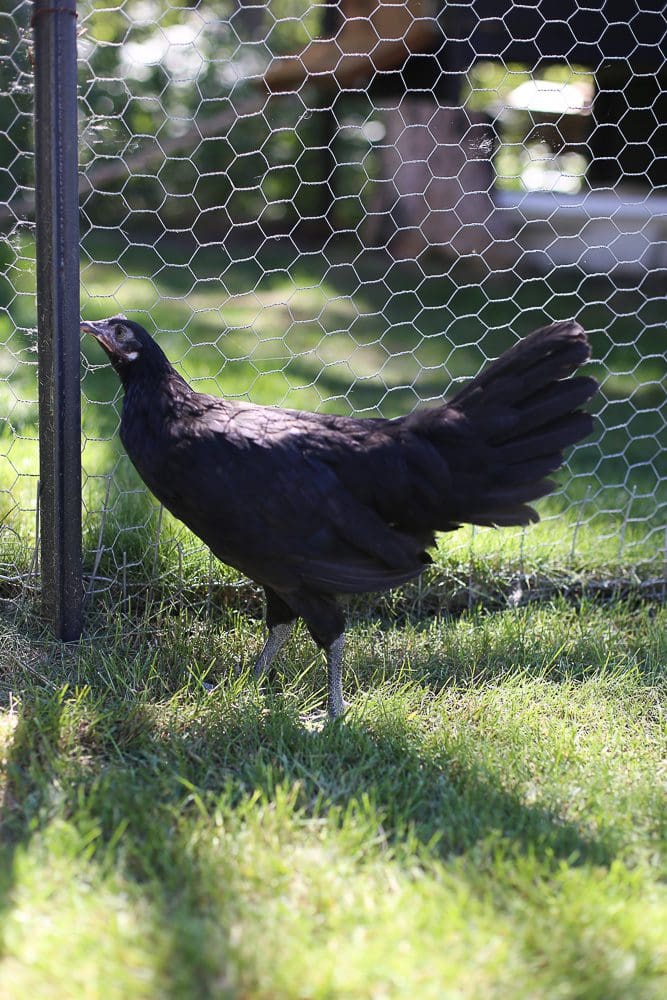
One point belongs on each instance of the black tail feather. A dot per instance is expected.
(551, 437)
(550, 403)
(524, 410)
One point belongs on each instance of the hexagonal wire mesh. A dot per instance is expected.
(349, 207)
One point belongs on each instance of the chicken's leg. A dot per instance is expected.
(335, 702)
(276, 639)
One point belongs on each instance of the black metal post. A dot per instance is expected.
(331, 21)
(57, 216)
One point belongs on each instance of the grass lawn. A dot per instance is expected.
(490, 818)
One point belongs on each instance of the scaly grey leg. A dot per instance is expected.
(335, 703)
(276, 639)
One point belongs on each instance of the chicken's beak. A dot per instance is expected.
(100, 331)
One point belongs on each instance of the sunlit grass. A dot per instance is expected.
(489, 819)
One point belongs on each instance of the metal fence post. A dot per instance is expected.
(57, 216)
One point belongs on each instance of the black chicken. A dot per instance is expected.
(311, 505)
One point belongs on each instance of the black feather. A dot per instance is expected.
(310, 505)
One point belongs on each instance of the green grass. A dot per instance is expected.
(489, 820)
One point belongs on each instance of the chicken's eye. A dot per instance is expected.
(121, 332)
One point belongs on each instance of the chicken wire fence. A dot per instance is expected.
(350, 207)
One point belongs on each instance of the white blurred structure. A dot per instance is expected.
(599, 230)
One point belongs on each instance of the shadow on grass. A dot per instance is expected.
(445, 795)
(29, 764)
(127, 770)
(123, 804)
(154, 770)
